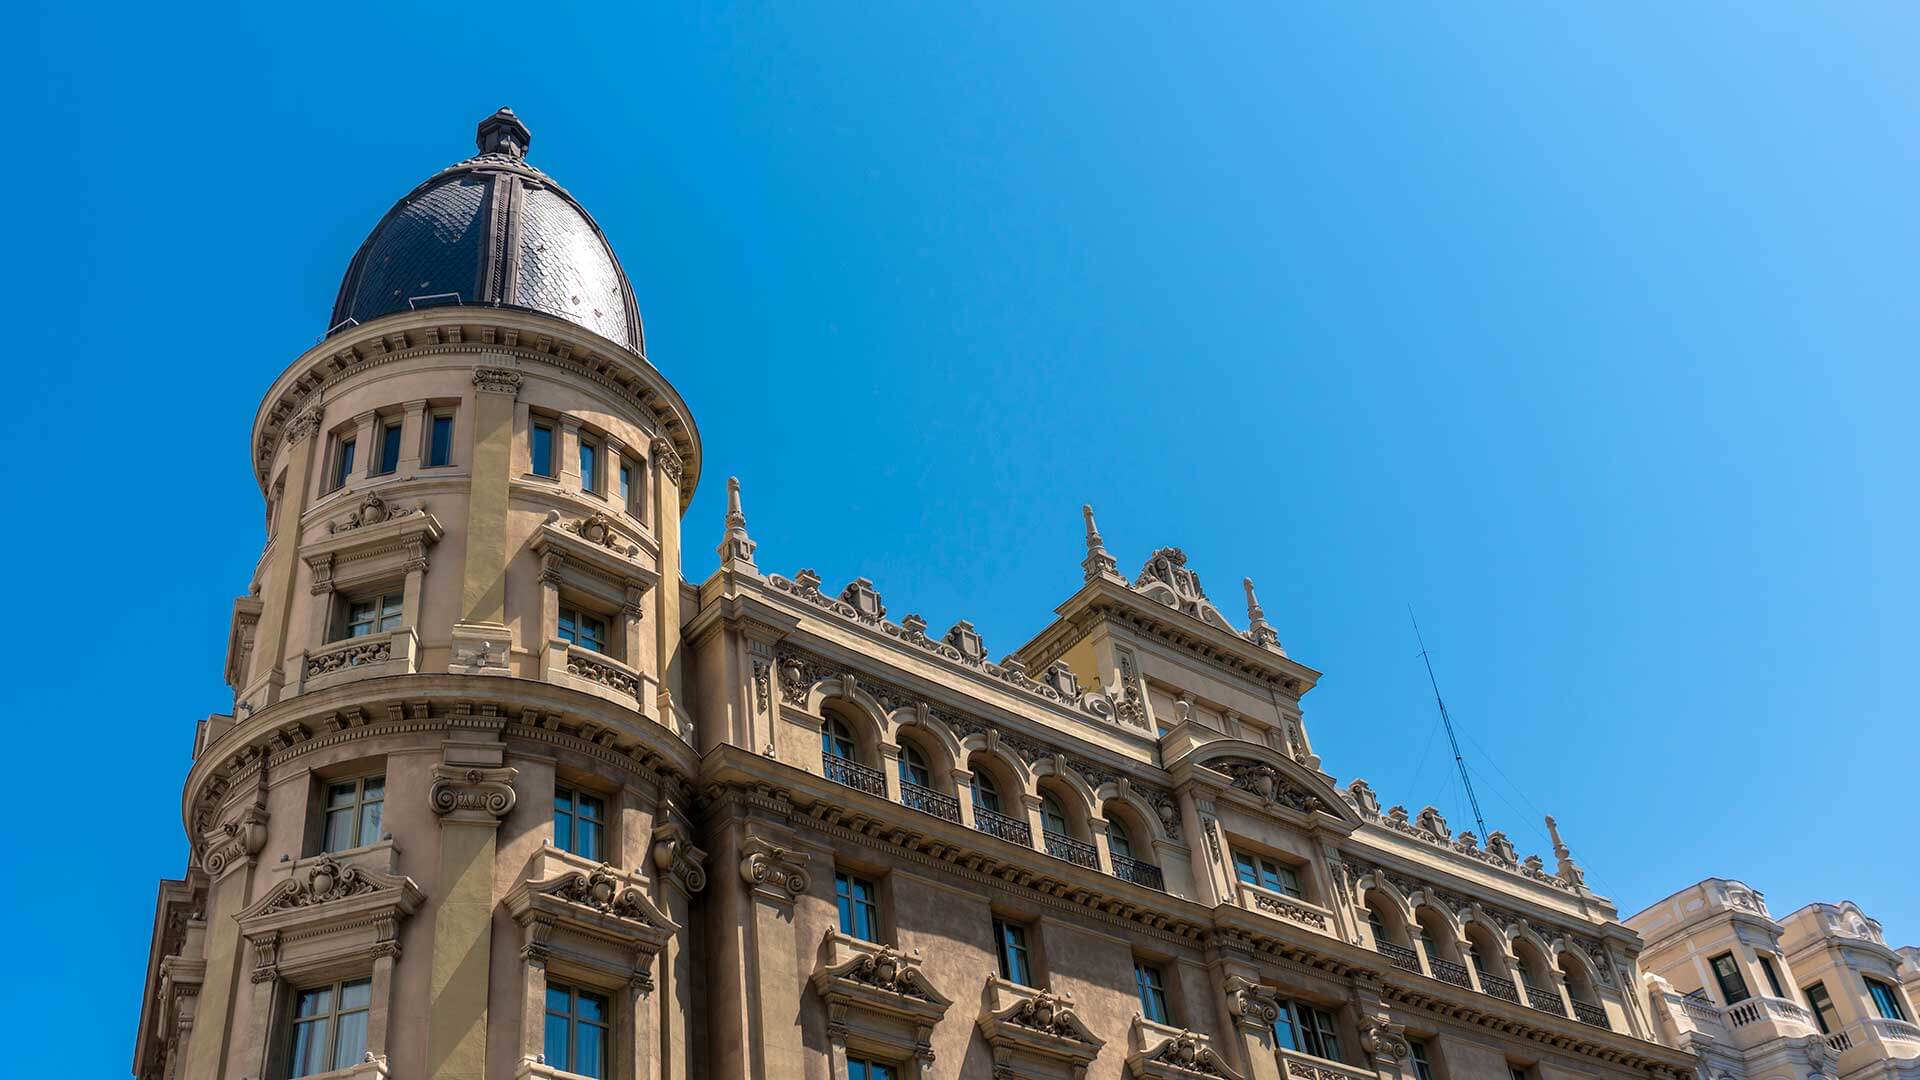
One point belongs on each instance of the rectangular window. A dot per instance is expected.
(1267, 874)
(1307, 1029)
(1733, 986)
(1152, 988)
(589, 465)
(440, 441)
(543, 450)
(626, 486)
(582, 629)
(1773, 975)
(1010, 939)
(579, 822)
(353, 812)
(330, 1027)
(389, 447)
(343, 462)
(374, 615)
(859, 906)
(1824, 1014)
(577, 1026)
(1422, 1064)
(1886, 999)
(864, 1069)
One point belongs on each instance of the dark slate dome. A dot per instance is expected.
(492, 230)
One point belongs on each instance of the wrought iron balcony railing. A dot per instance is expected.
(1077, 852)
(1588, 1013)
(853, 774)
(997, 824)
(1496, 986)
(1403, 958)
(1138, 872)
(928, 801)
(1449, 972)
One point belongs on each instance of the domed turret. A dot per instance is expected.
(492, 230)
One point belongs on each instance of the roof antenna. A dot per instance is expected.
(1472, 800)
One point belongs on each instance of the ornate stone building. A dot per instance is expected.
(503, 796)
(1815, 994)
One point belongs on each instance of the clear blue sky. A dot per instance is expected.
(1587, 330)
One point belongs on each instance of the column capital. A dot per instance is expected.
(776, 873)
(668, 459)
(235, 843)
(472, 795)
(679, 861)
(496, 381)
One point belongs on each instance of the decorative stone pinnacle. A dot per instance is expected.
(1570, 871)
(1099, 562)
(736, 546)
(503, 133)
(1259, 631)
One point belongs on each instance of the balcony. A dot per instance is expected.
(1449, 972)
(566, 664)
(1077, 852)
(853, 774)
(1755, 1009)
(1898, 1031)
(1495, 986)
(373, 656)
(928, 801)
(1591, 1015)
(1280, 905)
(1545, 1000)
(1401, 957)
(1002, 826)
(1140, 873)
(1299, 1066)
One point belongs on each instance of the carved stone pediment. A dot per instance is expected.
(595, 916)
(328, 910)
(1167, 1053)
(878, 991)
(1166, 579)
(1028, 1027)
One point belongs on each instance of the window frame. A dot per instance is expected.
(1720, 979)
(573, 1022)
(355, 809)
(861, 1067)
(576, 615)
(435, 418)
(988, 799)
(1053, 814)
(1821, 1007)
(1891, 999)
(1306, 1028)
(1014, 953)
(545, 469)
(334, 1013)
(382, 614)
(857, 899)
(1772, 973)
(341, 461)
(573, 795)
(1422, 1062)
(387, 433)
(837, 740)
(591, 454)
(1150, 987)
(912, 761)
(1262, 866)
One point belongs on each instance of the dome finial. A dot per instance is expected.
(503, 133)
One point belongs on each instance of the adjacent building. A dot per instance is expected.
(502, 795)
(1816, 993)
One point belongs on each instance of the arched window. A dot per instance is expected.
(986, 794)
(913, 766)
(836, 741)
(1052, 818)
(1117, 841)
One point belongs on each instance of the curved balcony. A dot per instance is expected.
(928, 801)
(1755, 1009)
(853, 774)
(1002, 826)
(1077, 852)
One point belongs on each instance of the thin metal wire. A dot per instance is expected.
(1465, 781)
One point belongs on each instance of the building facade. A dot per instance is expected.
(503, 796)
(1816, 993)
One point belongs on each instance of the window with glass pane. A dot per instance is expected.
(1267, 873)
(1317, 1033)
(1117, 843)
(1887, 1000)
(374, 614)
(859, 906)
(863, 1069)
(836, 740)
(343, 462)
(579, 822)
(913, 766)
(353, 812)
(440, 445)
(1285, 1032)
(389, 446)
(986, 794)
(1517, 1072)
(543, 449)
(589, 465)
(1011, 940)
(626, 486)
(1422, 1065)
(1772, 974)
(1052, 818)
(1151, 986)
(577, 1026)
(1733, 987)
(330, 1027)
(584, 629)
(1824, 1014)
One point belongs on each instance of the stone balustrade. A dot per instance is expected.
(1299, 1066)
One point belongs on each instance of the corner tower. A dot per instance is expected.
(462, 634)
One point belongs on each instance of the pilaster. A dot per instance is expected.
(483, 592)
(471, 792)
